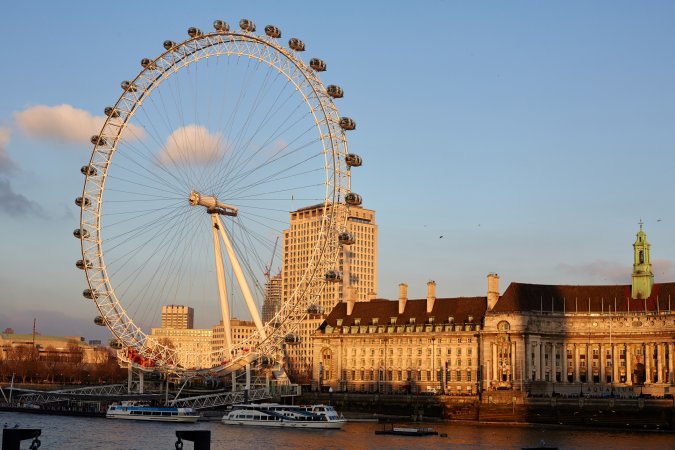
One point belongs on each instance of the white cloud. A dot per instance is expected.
(6, 164)
(64, 123)
(192, 144)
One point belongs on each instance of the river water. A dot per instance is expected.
(97, 433)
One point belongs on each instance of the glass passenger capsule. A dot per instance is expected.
(317, 64)
(334, 91)
(115, 343)
(81, 264)
(194, 32)
(169, 44)
(81, 233)
(347, 123)
(83, 201)
(353, 199)
(353, 160)
(128, 86)
(221, 25)
(247, 25)
(89, 171)
(111, 112)
(90, 294)
(296, 44)
(346, 238)
(292, 338)
(98, 140)
(100, 321)
(272, 31)
(333, 276)
(148, 64)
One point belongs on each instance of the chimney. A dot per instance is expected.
(372, 295)
(350, 307)
(493, 290)
(402, 297)
(431, 295)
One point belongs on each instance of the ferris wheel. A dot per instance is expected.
(191, 182)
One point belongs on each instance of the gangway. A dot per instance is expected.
(221, 399)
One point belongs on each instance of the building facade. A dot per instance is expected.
(178, 317)
(407, 346)
(608, 340)
(357, 264)
(241, 331)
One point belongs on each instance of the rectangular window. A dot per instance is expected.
(458, 374)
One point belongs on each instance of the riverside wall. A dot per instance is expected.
(507, 407)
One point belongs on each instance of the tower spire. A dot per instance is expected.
(643, 277)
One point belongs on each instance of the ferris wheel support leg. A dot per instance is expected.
(141, 381)
(234, 381)
(130, 378)
(222, 287)
(248, 376)
(241, 279)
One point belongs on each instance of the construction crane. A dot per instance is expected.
(268, 268)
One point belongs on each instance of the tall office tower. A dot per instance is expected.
(178, 317)
(272, 298)
(357, 264)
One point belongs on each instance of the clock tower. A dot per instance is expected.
(643, 277)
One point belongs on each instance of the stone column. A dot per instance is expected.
(629, 365)
(603, 363)
(576, 364)
(671, 362)
(563, 359)
(542, 361)
(661, 352)
(495, 369)
(615, 363)
(537, 357)
(648, 354)
(513, 362)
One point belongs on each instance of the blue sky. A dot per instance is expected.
(532, 136)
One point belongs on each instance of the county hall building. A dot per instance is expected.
(534, 338)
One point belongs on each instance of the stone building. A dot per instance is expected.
(595, 340)
(410, 345)
(178, 317)
(534, 338)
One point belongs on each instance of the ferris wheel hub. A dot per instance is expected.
(212, 205)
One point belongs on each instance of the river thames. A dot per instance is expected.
(97, 433)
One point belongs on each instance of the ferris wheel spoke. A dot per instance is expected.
(275, 177)
(147, 225)
(277, 156)
(276, 134)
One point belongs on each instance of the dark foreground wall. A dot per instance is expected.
(636, 413)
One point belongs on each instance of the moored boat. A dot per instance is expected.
(136, 410)
(406, 431)
(276, 415)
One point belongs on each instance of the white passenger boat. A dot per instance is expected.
(284, 416)
(136, 410)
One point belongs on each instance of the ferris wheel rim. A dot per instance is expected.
(125, 329)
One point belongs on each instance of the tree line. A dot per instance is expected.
(28, 364)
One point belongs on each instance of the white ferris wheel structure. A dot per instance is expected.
(210, 147)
